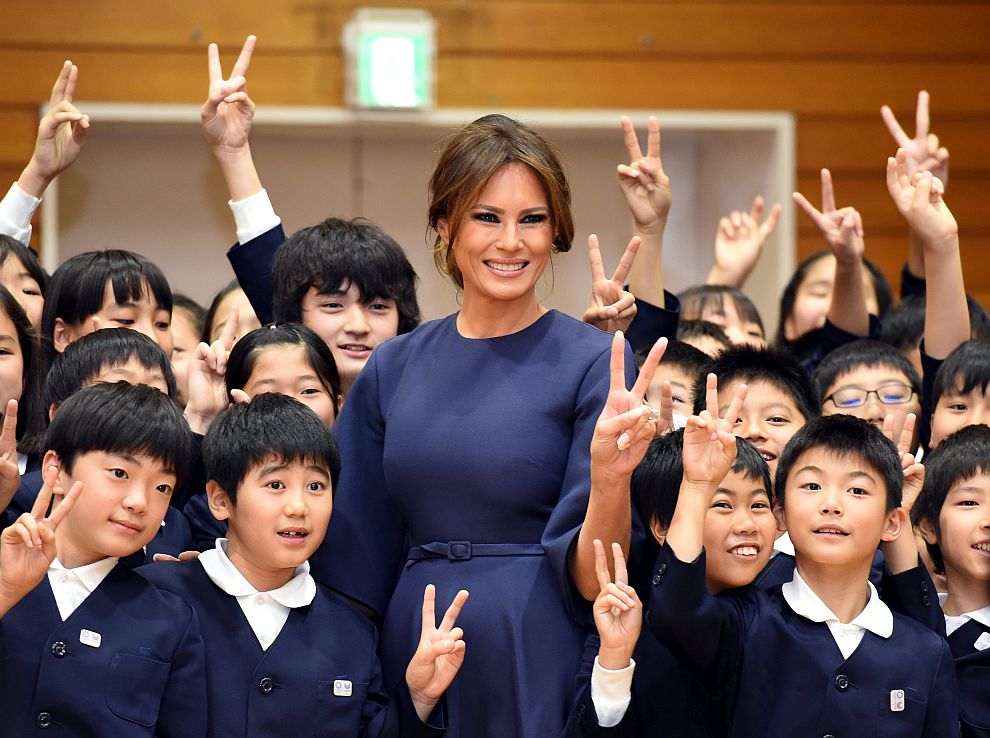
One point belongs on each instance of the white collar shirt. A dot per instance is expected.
(266, 612)
(875, 617)
(955, 622)
(72, 586)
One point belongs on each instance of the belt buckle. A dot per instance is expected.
(459, 550)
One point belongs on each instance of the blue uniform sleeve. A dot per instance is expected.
(831, 337)
(365, 528)
(652, 323)
(252, 263)
(705, 632)
(183, 711)
(912, 593)
(561, 532)
(583, 720)
(942, 715)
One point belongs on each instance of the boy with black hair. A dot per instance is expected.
(682, 365)
(704, 336)
(112, 355)
(958, 395)
(346, 280)
(90, 647)
(870, 380)
(821, 654)
(285, 655)
(952, 514)
(780, 400)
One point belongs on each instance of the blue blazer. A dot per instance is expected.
(775, 673)
(288, 690)
(252, 264)
(145, 675)
(973, 673)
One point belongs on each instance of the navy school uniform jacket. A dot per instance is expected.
(289, 690)
(252, 264)
(129, 661)
(973, 674)
(776, 673)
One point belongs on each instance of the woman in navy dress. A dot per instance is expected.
(471, 457)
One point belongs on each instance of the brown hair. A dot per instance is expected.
(469, 157)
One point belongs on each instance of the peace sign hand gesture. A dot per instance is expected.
(709, 449)
(61, 135)
(439, 655)
(27, 548)
(842, 229)
(626, 425)
(643, 182)
(228, 111)
(918, 197)
(208, 377)
(10, 472)
(923, 151)
(618, 610)
(611, 308)
(739, 243)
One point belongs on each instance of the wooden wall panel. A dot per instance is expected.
(832, 64)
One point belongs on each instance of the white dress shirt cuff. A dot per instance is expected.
(16, 210)
(611, 692)
(253, 215)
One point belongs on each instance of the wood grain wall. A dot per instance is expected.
(832, 63)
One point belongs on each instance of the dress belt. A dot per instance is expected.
(465, 550)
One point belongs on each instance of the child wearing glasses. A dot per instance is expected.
(870, 380)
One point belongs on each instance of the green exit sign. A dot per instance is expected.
(391, 56)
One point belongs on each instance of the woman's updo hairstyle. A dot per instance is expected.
(469, 157)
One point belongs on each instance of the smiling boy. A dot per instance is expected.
(285, 655)
(820, 654)
(91, 648)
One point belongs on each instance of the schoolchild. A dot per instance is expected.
(287, 358)
(869, 379)
(682, 365)
(727, 307)
(667, 699)
(704, 336)
(188, 318)
(21, 381)
(90, 647)
(960, 392)
(821, 654)
(285, 655)
(953, 515)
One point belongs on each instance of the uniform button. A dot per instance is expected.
(662, 569)
(44, 720)
(65, 580)
(842, 682)
(580, 712)
(58, 649)
(266, 685)
(926, 600)
(828, 735)
(924, 586)
(261, 599)
(656, 580)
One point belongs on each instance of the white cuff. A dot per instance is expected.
(16, 210)
(253, 215)
(611, 692)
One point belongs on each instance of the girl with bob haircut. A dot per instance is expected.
(467, 447)
(21, 379)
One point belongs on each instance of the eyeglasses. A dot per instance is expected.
(895, 393)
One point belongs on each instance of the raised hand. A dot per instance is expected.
(10, 472)
(918, 197)
(842, 229)
(61, 135)
(228, 111)
(27, 548)
(439, 655)
(642, 181)
(207, 378)
(914, 472)
(618, 610)
(611, 308)
(739, 243)
(626, 425)
(924, 154)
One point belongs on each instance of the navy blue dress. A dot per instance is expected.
(466, 465)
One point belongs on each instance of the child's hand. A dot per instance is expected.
(665, 408)
(611, 308)
(27, 548)
(739, 243)
(923, 151)
(439, 655)
(919, 199)
(228, 111)
(709, 451)
(207, 378)
(643, 182)
(10, 472)
(618, 610)
(61, 135)
(914, 472)
(626, 426)
(842, 229)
